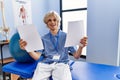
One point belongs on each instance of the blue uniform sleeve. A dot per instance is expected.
(42, 55)
(41, 51)
(71, 50)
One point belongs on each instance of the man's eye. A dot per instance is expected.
(49, 20)
(54, 20)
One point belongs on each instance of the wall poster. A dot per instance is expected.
(22, 12)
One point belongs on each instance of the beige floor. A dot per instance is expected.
(15, 77)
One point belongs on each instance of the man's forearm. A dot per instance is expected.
(35, 55)
(77, 54)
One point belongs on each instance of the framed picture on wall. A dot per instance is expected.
(22, 12)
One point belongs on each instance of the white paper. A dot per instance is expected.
(75, 33)
(30, 34)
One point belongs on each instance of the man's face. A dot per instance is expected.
(52, 23)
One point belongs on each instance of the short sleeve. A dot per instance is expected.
(42, 55)
(71, 50)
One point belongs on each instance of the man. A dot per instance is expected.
(56, 59)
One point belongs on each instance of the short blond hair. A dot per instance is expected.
(52, 13)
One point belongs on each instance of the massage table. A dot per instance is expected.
(80, 70)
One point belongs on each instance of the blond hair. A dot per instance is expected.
(52, 13)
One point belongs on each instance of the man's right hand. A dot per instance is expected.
(22, 44)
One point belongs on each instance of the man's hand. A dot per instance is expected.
(22, 44)
(83, 42)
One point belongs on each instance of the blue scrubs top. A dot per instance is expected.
(54, 44)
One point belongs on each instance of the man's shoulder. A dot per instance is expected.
(45, 36)
(63, 33)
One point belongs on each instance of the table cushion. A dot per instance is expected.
(25, 70)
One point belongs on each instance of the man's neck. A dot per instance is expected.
(54, 32)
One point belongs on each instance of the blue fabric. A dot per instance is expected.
(17, 53)
(53, 47)
(118, 76)
(25, 70)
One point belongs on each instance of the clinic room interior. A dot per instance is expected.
(98, 20)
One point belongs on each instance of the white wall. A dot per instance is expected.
(103, 31)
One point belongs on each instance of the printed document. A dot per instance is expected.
(75, 33)
(30, 34)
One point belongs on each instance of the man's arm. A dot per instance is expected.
(33, 54)
(83, 43)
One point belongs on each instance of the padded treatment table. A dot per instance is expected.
(92, 71)
(79, 70)
(24, 70)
